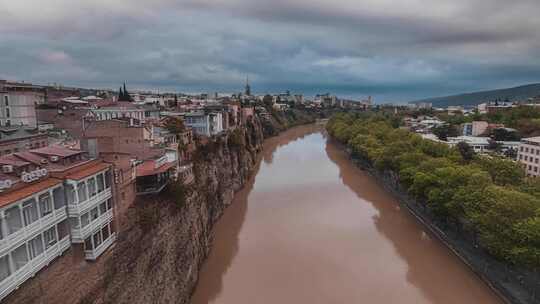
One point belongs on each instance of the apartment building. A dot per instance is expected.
(17, 108)
(18, 139)
(206, 124)
(529, 155)
(51, 198)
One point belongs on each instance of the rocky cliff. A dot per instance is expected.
(158, 259)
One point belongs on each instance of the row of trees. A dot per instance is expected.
(489, 196)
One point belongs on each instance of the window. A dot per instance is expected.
(97, 239)
(521, 149)
(92, 187)
(6, 100)
(30, 212)
(94, 214)
(105, 232)
(20, 257)
(45, 204)
(58, 198)
(85, 220)
(109, 204)
(103, 208)
(50, 237)
(81, 190)
(63, 229)
(8, 114)
(4, 268)
(108, 179)
(70, 193)
(35, 246)
(100, 183)
(74, 222)
(88, 243)
(14, 220)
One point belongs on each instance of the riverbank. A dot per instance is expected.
(504, 282)
(310, 227)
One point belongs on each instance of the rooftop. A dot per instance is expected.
(20, 193)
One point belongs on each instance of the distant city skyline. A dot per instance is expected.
(393, 51)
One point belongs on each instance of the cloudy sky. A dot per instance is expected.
(393, 50)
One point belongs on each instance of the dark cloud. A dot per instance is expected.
(393, 50)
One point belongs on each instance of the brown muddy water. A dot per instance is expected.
(312, 228)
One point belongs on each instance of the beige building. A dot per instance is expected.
(529, 155)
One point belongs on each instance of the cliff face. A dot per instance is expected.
(157, 260)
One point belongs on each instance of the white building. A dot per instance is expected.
(475, 128)
(50, 198)
(206, 124)
(479, 144)
(529, 155)
(18, 108)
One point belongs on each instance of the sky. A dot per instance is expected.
(393, 50)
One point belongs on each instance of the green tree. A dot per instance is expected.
(466, 151)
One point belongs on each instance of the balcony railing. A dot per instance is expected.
(15, 280)
(94, 254)
(80, 234)
(78, 209)
(151, 188)
(28, 232)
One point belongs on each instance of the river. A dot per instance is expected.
(312, 228)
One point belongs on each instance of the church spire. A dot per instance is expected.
(248, 87)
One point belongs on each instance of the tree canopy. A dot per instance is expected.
(491, 195)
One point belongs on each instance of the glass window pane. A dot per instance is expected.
(94, 214)
(30, 212)
(108, 179)
(103, 208)
(85, 220)
(45, 204)
(50, 237)
(58, 198)
(4, 268)
(109, 204)
(88, 243)
(92, 190)
(81, 190)
(35, 246)
(20, 257)
(100, 183)
(105, 232)
(63, 229)
(97, 239)
(70, 193)
(74, 223)
(14, 220)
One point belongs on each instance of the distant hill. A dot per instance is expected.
(472, 99)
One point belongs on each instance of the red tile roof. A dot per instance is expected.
(56, 151)
(12, 160)
(27, 190)
(81, 172)
(148, 168)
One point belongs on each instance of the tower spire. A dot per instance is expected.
(248, 87)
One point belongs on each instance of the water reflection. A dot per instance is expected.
(226, 243)
(311, 228)
(432, 276)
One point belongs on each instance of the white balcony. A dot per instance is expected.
(80, 234)
(94, 254)
(78, 209)
(25, 233)
(32, 267)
